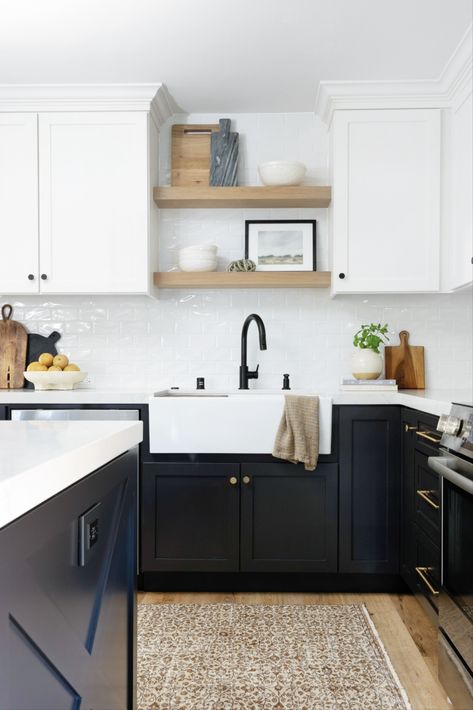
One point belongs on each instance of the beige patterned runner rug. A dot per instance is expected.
(263, 657)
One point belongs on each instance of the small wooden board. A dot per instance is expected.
(190, 154)
(405, 363)
(13, 344)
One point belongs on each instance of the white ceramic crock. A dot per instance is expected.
(366, 364)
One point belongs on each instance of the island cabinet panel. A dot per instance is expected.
(289, 518)
(3, 412)
(67, 619)
(369, 489)
(190, 517)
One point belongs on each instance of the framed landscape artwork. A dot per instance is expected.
(281, 245)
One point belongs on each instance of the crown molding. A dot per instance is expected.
(432, 93)
(154, 98)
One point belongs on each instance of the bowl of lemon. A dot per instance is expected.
(54, 372)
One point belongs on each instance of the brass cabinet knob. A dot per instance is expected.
(246, 480)
(233, 480)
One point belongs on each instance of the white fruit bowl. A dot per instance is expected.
(196, 264)
(55, 380)
(199, 250)
(282, 173)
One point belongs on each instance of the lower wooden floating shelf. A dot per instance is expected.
(242, 279)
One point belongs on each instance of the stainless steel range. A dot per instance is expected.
(455, 467)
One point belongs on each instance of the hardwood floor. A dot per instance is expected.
(407, 632)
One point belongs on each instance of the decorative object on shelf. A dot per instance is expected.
(13, 344)
(282, 173)
(405, 363)
(242, 265)
(224, 156)
(190, 154)
(281, 245)
(40, 344)
(200, 257)
(367, 362)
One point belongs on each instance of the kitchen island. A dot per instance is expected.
(67, 564)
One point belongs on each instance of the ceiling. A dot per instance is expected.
(247, 55)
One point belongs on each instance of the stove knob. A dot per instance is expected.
(442, 422)
(453, 425)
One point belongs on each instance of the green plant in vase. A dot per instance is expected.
(367, 362)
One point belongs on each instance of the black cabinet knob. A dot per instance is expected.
(31, 277)
(44, 276)
(341, 275)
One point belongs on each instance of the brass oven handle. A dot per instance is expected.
(425, 496)
(421, 571)
(408, 427)
(429, 437)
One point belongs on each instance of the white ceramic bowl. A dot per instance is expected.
(199, 250)
(282, 172)
(55, 380)
(192, 263)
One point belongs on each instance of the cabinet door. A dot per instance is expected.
(408, 532)
(289, 518)
(386, 201)
(369, 489)
(19, 202)
(94, 195)
(190, 517)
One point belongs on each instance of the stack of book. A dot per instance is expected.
(352, 385)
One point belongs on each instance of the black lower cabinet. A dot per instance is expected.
(190, 517)
(420, 512)
(3, 412)
(67, 623)
(369, 489)
(289, 518)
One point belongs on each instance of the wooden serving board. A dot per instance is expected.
(13, 344)
(405, 363)
(190, 154)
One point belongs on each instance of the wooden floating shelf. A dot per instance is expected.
(248, 196)
(242, 279)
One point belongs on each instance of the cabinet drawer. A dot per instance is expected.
(427, 567)
(427, 498)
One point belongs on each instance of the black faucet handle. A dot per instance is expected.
(253, 374)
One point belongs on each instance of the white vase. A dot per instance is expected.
(366, 364)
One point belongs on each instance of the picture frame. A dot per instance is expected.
(281, 244)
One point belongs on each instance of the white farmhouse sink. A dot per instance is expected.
(231, 422)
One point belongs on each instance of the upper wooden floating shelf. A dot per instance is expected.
(297, 196)
(242, 279)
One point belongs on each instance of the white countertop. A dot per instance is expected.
(40, 459)
(430, 400)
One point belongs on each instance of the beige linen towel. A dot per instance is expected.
(297, 438)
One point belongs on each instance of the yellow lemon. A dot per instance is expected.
(46, 359)
(61, 361)
(54, 368)
(72, 368)
(36, 367)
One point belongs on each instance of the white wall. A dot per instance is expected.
(138, 342)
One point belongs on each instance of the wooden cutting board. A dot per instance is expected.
(190, 154)
(13, 344)
(405, 363)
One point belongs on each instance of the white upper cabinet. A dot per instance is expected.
(94, 202)
(385, 214)
(457, 256)
(77, 169)
(18, 203)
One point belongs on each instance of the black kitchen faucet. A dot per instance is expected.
(245, 373)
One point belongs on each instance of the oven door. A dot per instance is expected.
(456, 599)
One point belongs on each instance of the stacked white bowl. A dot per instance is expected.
(199, 257)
